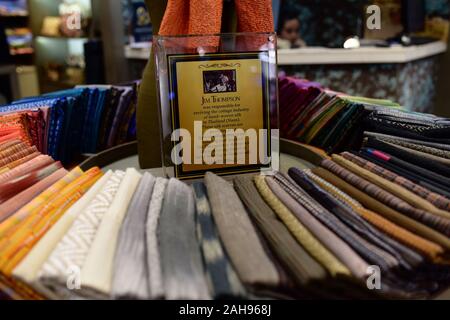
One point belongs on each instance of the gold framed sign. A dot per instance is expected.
(217, 112)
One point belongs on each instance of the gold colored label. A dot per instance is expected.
(224, 92)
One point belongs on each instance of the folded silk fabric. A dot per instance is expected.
(409, 156)
(41, 220)
(20, 161)
(222, 278)
(17, 156)
(384, 210)
(365, 249)
(71, 251)
(97, 271)
(181, 261)
(406, 257)
(314, 248)
(391, 187)
(440, 224)
(338, 247)
(425, 247)
(6, 145)
(423, 154)
(9, 225)
(432, 197)
(18, 244)
(13, 187)
(7, 152)
(155, 281)
(27, 271)
(11, 206)
(419, 147)
(130, 275)
(239, 235)
(422, 143)
(34, 164)
(418, 175)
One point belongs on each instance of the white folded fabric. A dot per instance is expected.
(69, 256)
(27, 270)
(97, 271)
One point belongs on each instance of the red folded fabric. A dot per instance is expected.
(8, 208)
(12, 187)
(35, 164)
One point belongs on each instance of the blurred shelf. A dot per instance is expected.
(138, 51)
(63, 37)
(363, 55)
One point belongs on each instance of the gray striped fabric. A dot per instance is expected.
(181, 261)
(239, 236)
(130, 279)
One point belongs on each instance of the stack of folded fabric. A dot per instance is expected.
(24, 173)
(321, 117)
(69, 123)
(308, 234)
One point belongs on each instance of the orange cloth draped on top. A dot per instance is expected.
(196, 17)
(184, 17)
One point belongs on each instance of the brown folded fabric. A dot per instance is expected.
(379, 207)
(15, 164)
(427, 248)
(239, 236)
(391, 187)
(435, 222)
(8, 144)
(432, 197)
(17, 156)
(10, 151)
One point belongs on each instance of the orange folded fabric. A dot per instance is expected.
(8, 226)
(17, 134)
(41, 220)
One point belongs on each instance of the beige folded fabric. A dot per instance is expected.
(27, 271)
(391, 187)
(97, 272)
